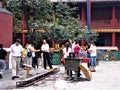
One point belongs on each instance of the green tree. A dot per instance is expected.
(64, 26)
(55, 18)
(15, 8)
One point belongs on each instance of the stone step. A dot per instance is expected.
(35, 78)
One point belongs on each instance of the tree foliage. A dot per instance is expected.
(55, 18)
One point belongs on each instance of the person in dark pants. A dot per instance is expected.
(46, 58)
(88, 53)
(35, 61)
(3, 60)
(34, 55)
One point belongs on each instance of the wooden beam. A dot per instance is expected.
(107, 30)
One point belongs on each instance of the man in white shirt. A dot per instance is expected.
(16, 52)
(45, 50)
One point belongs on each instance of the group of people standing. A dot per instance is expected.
(20, 53)
(88, 52)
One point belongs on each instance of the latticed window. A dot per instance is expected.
(117, 13)
(101, 13)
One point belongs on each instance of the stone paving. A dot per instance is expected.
(107, 77)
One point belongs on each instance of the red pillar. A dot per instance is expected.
(53, 43)
(113, 18)
(113, 39)
(23, 27)
(83, 15)
(113, 25)
(23, 39)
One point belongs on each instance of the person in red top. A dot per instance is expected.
(77, 49)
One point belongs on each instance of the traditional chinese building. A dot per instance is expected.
(105, 19)
(5, 27)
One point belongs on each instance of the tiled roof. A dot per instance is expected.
(84, 0)
(2, 10)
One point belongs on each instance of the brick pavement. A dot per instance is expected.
(107, 77)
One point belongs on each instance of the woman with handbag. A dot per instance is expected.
(28, 58)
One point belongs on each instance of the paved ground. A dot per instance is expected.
(107, 77)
